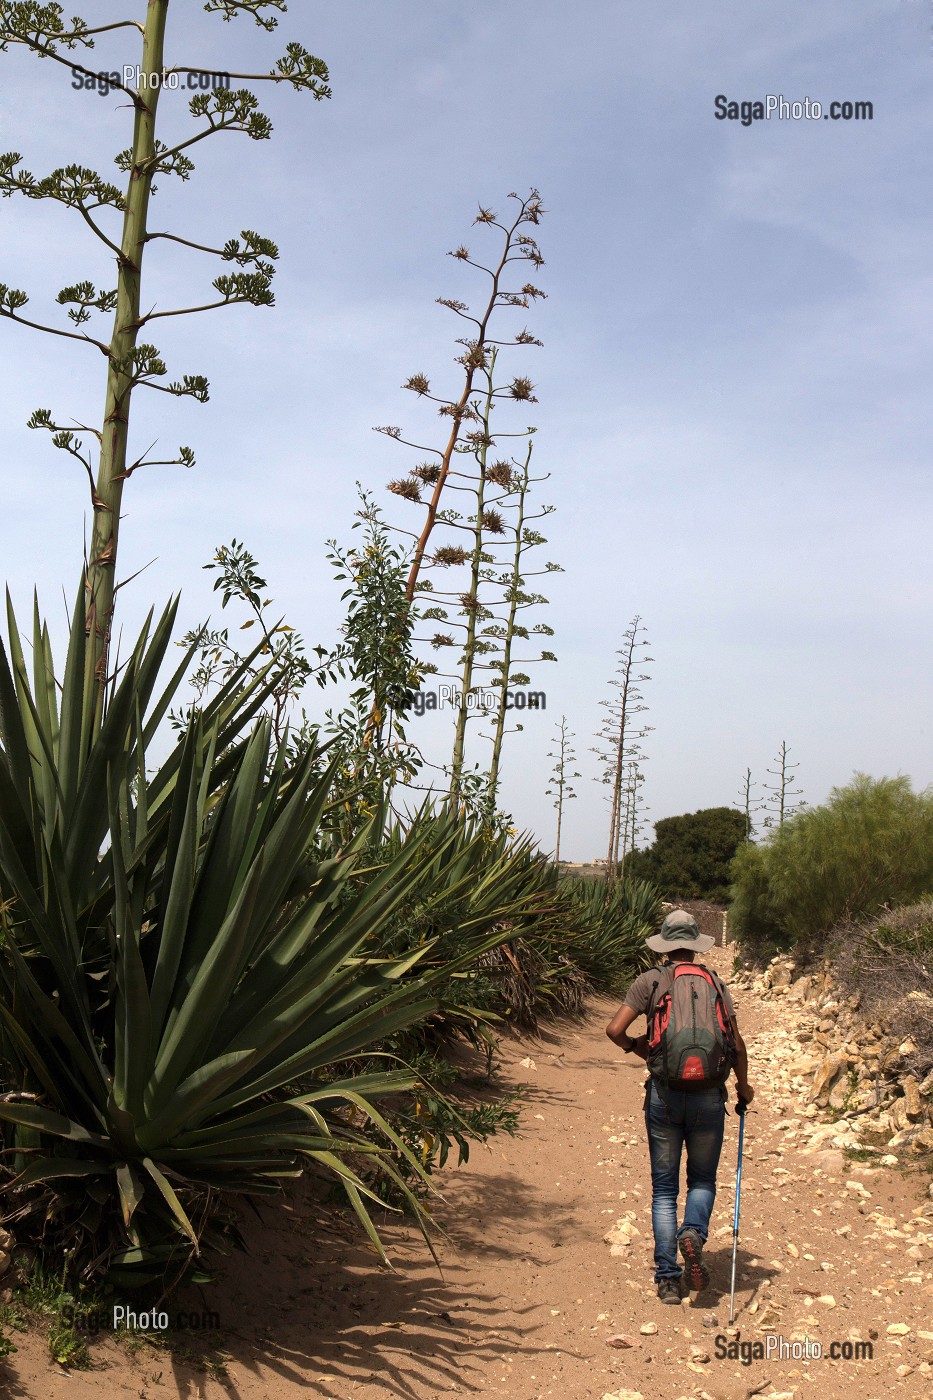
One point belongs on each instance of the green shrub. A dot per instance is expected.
(691, 854)
(870, 845)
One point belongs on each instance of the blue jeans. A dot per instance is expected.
(697, 1119)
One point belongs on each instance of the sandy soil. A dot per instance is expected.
(530, 1291)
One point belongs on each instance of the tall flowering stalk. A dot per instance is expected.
(619, 736)
(119, 220)
(505, 293)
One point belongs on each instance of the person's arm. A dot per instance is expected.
(742, 1086)
(617, 1032)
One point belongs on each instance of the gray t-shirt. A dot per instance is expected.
(639, 993)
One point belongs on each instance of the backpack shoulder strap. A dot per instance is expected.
(720, 986)
(663, 969)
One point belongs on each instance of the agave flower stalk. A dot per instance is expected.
(517, 246)
(620, 731)
(132, 363)
(560, 786)
(746, 804)
(779, 803)
(472, 608)
(516, 599)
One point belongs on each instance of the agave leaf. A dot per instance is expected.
(191, 1030)
(69, 1041)
(12, 733)
(272, 1115)
(45, 1120)
(173, 1202)
(382, 1123)
(47, 1168)
(23, 831)
(63, 953)
(87, 815)
(29, 1052)
(46, 703)
(209, 1092)
(22, 702)
(131, 1191)
(180, 864)
(39, 744)
(132, 1009)
(233, 839)
(76, 705)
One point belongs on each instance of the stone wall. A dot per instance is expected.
(710, 917)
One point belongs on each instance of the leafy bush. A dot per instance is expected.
(870, 845)
(691, 855)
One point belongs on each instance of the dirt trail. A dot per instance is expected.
(531, 1289)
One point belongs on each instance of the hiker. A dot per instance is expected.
(691, 1046)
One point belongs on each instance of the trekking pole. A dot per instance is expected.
(740, 1110)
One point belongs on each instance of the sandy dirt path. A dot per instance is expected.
(530, 1289)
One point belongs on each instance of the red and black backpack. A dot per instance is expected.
(691, 1043)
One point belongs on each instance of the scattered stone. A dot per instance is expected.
(648, 1329)
(829, 1160)
(898, 1329)
(619, 1342)
(912, 1099)
(825, 1078)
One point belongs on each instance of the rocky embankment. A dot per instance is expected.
(859, 1069)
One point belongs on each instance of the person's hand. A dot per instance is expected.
(745, 1092)
(640, 1046)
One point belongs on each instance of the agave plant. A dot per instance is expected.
(183, 959)
(610, 928)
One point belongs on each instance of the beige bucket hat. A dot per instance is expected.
(680, 930)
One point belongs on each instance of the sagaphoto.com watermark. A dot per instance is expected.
(120, 1317)
(776, 1347)
(479, 701)
(132, 78)
(775, 106)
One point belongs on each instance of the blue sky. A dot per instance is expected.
(733, 391)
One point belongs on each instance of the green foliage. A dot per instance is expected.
(185, 947)
(870, 845)
(753, 915)
(610, 928)
(691, 855)
(42, 1297)
(281, 653)
(369, 732)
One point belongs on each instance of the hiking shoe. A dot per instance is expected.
(696, 1274)
(669, 1290)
